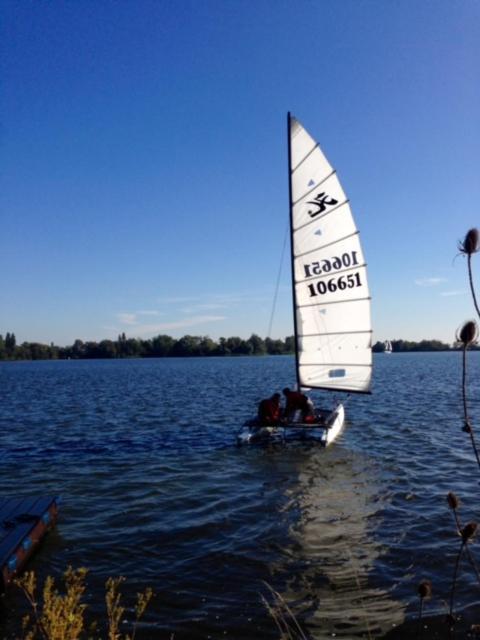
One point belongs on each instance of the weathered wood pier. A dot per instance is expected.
(23, 524)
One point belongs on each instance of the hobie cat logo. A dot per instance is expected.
(322, 201)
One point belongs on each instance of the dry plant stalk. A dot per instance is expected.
(424, 592)
(61, 617)
(284, 618)
(466, 336)
(114, 610)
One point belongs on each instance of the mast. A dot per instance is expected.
(294, 296)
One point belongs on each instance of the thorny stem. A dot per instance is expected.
(29, 591)
(419, 621)
(464, 384)
(465, 413)
(279, 612)
(470, 279)
(457, 521)
(471, 559)
(454, 582)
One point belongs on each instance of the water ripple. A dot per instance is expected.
(142, 454)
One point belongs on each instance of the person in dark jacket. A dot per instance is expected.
(297, 401)
(269, 410)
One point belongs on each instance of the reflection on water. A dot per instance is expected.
(335, 550)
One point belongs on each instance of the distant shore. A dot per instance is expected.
(163, 346)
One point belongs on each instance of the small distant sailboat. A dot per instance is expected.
(331, 300)
(387, 347)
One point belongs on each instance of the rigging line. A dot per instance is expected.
(277, 286)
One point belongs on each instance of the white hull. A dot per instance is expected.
(324, 433)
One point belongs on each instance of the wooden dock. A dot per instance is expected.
(23, 524)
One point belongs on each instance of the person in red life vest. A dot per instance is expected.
(296, 401)
(269, 410)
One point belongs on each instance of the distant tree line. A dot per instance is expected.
(165, 346)
(158, 347)
(402, 346)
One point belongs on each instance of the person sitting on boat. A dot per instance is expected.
(297, 401)
(269, 410)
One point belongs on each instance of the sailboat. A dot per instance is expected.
(331, 300)
(387, 347)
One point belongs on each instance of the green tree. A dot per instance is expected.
(134, 348)
(290, 344)
(162, 346)
(187, 346)
(35, 351)
(10, 343)
(207, 346)
(78, 349)
(106, 349)
(121, 346)
(257, 345)
(223, 349)
(53, 352)
(274, 347)
(237, 346)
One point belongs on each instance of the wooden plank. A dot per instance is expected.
(9, 506)
(10, 524)
(23, 523)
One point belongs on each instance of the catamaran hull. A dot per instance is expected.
(324, 433)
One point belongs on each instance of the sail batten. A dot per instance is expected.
(319, 388)
(329, 244)
(304, 158)
(346, 270)
(330, 290)
(324, 215)
(334, 333)
(306, 306)
(337, 364)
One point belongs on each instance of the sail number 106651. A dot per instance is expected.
(333, 264)
(335, 284)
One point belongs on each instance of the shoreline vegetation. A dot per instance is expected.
(163, 346)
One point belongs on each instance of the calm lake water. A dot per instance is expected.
(152, 486)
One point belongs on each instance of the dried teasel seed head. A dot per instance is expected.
(467, 427)
(468, 333)
(471, 243)
(468, 531)
(452, 500)
(425, 589)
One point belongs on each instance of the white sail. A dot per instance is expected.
(331, 296)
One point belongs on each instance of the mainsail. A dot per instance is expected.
(330, 290)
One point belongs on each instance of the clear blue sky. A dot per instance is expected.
(143, 175)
